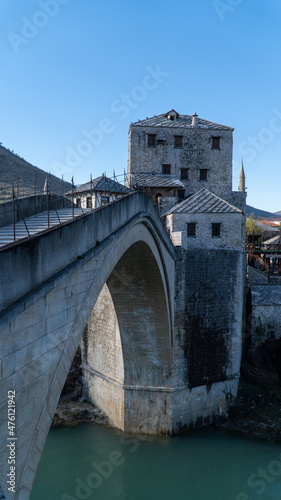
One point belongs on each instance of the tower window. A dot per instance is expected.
(191, 229)
(89, 202)
(166, 169)
(203, 174)
(216, 142)
(184, 173)
(151, 140)
(216, 230)
(177, 141)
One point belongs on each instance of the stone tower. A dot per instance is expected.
(206, 222)
(198, 152)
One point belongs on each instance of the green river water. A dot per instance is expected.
(90, 461)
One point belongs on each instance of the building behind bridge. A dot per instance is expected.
(97, 192)
(196, 152)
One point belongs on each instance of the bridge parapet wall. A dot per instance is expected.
(31, 205)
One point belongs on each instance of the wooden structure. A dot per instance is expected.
(266, 256)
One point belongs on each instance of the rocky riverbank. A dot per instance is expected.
(255, 414)
(72, 408)
(257, 410)
(75, 412)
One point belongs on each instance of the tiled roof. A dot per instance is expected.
(263, 295)
(270, 223)
(203, 202)
(156, 180)
(101, 183)
(266, 228)
(183, 121)
(276, 241)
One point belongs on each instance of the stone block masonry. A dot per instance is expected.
(195, 154)
(231, 230)
(208, 318)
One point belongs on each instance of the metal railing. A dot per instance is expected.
(18, 209)
(16, 202)
(261, 247)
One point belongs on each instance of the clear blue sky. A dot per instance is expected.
(67, 65)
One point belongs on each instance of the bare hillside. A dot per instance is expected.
(26, 178)
(263, 214)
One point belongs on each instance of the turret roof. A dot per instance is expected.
(101, 183)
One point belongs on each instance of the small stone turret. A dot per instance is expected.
(242, 179)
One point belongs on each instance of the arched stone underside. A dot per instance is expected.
(41, 333)
(127, 346)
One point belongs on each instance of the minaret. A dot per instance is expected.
(241, 186)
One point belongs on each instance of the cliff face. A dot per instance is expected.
(27, 179)
(256, 410)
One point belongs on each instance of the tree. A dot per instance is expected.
(252, 226)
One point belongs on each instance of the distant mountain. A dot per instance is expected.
(27, 179)
(278, 213)
(260, 213)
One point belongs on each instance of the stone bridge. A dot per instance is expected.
(120, 259)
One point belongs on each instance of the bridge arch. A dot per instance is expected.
(47, 325)
(127, 344)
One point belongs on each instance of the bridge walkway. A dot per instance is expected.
(37, 223)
